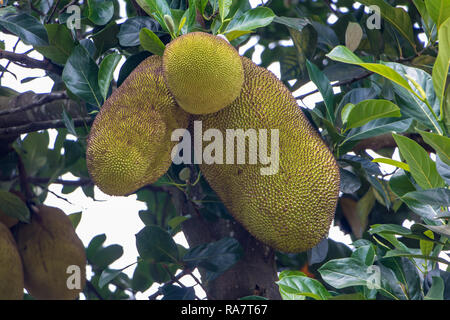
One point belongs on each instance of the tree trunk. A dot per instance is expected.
(254, 274)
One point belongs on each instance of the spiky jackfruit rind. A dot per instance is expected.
(129, 145)
(203, 72)
(291, 210)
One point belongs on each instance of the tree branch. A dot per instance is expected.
(79, 183)
(25, 61)
(43, 125)
(40, 100)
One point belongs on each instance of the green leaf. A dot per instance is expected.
(253, 298)
(60, 45)
(13, 206)
(215, 257)
(288, 273)
(157, 9)
(80, 75)
(155, 244)
(150, 42)
(106, 72)
(408, 100)
(224, 8)
(407, 254)
(443, 169)
(348, 296)
(75, 218)
(438, 197)
(129, 30)
(369, 110)
(365, 254)
(303, 286)
(392, 162)
(103, 256)
(436, 292)
(347, 272)
(100, 11)
(440, 143)
(324, 87)
(422, 168)
(439, 11)
(398, 17)
(343, 54)
(442, 229)
(400, 183)
(249, 21)
(377, 127)
(107, 276)
(68, 123)
(26, 27)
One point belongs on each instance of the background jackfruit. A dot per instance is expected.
(11, 272)
(48, 247)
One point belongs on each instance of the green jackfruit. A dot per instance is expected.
(11, 272)
(292, 209)
(53, 256)
(203, 72)
(129, 145)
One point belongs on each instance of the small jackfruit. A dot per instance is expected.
(129, 145)
(203, 72)
(53, 256)
(11, 272)
(290, 210)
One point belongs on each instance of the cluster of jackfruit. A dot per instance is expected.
(202, 77)
(39, 257)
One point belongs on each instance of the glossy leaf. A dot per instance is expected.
(422, 168)
(80, 75)
(157, 245)
(365, 254)
(107, 276)
(378, 127)
(436, 292)
(26, 27)
(439, 197)
(129, 30)
(440, 143)
(60, 45)
(151, 42)
(323, 85)
(106, 72)
(369, 110)
(100, 11)
(439, 10)
(156, 9)
(440, 68)
(12, 206)
(304, 286)
(249, 21)
(443, 169)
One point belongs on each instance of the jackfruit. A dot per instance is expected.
(53, 256)
(290, 210)
(11, 272)
(203, 72)
(129, 145)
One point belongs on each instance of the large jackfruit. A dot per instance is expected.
(129, 145)
(203, 72)
(290, 210)
(11, 271)
(54, 258)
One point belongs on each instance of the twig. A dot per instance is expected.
(55, 194)
(52, 96)
(49, 18)
(25, 61)
(173, 279)
(43, 125)
(210, 297)
(79, 183)
(9, 62)
(337, 84)
(67, 5)
(92, 288)
(24, 186)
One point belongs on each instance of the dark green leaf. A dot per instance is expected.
(100, 11)
(129, 30)
(249, 21)
(304, 286)
(26, 27)
(439, 197)
(378, 127)
(369, 110)
(106, 72)
(13, 206)
(324, 87)
(172, 292)
(150, 42)
(103, 257)
(349, 182)
(440, 143)
(107, 276)
(155, 244)
(81, 76)
(60, 45)
(215, 257)
(365, 254)
(436, 291)
(400, 183)
(423, 169)
(443, 170)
